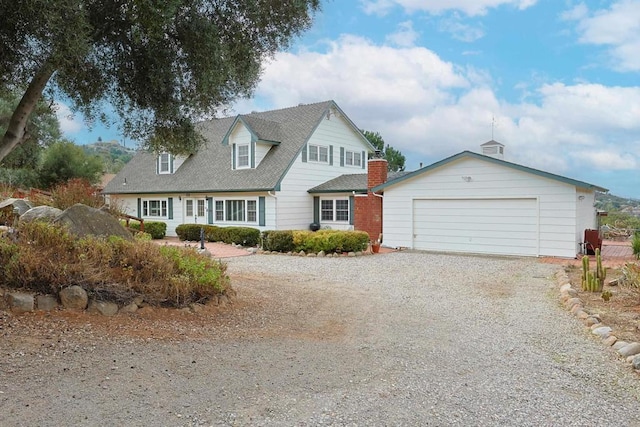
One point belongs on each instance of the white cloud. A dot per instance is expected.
(468, 7)
(461, 31)
(617, 27)
(429, 108)
(69, 122)
(405, 36)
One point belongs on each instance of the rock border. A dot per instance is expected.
(630, 351)
(76, 298)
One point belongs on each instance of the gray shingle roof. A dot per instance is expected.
(348, 183)
(209, 170)
(465, 154)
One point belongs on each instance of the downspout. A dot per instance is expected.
(276, 207)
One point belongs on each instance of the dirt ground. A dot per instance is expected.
(621, 312)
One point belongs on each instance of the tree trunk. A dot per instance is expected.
(16, 131)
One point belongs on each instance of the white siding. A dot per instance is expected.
(130, 205)
(585, 213)
(556, 200)
(295, 204)
(178, 161)
(261, 151)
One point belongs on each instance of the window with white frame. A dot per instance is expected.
(219, 210)
(154, 208)
(334, 210)
(233, 210)
(164, 163)
(353, 158)
(242, 160)
(318, 153)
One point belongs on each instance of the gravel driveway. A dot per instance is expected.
(395, 339)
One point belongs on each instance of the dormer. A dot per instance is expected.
(493, 149)
(251, 138)
(167, 163)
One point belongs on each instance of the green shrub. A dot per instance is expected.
(635, 244)
(329, 241)
(278, 240)
(157, 229)
(245, 236)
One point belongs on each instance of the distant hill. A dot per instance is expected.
(612, 203)
(113, 154)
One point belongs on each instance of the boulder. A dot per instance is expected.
(40, 213)
(46, 302)
(105, 308)
(74, 297)
(20, 302)
(83, 220)
(630, 349)
(20, 204)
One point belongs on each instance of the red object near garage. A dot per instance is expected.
(592, 241)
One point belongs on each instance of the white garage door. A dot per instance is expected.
(484, 226)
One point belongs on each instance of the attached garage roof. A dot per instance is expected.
(353, 182)
(469, 154)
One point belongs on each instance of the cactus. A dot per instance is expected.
(585, 271)
(593, 281)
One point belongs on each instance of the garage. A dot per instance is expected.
(504, 226)
(478, 204)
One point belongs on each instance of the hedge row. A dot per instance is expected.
(157, 230)
(245, 236)
(329, 241)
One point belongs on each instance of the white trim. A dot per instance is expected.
(145, 210)
(248, 165)
(224, 201)
(334, 210)
(168, 170)
(354, 155)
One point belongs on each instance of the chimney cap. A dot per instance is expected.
(378, 154)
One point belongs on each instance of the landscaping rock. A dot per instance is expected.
(20, 204)
(40, 213)
(84, 221)
(611, 340)
(20, 302)
(602, 331)
(636, 362)
(631, 349)
(322, 254)
(576, 308)
(46, 302)
(74, 297)
(129, 308)
(571, 302)
(106, 308)
(619, 344)
(591, 321)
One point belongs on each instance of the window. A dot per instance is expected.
(236, 210)
(154, 208)
(326, 210)
(353, 159)
(243, 156)
(334, 210)
(342, 210)
(219, 210)
(164, 163)
(252, 212)
(318, 153)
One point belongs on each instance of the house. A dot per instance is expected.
(480, 203)
(255, 170)
(286, 169)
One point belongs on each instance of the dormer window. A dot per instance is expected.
(165, 163)
(243, 156)
(318, 153)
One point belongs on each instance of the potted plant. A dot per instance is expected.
(375, 244)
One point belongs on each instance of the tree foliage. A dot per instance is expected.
(395, 159)
(162, 64)
(63, 161)
(42, 129)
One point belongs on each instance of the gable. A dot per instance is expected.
(523, 172)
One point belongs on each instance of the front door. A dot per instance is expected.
(195, 210)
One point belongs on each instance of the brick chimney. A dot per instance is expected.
(368, 209)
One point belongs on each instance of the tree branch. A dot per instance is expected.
(16, 132)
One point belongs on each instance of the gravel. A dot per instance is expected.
(396, 339)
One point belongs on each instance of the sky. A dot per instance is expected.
(556, 81)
